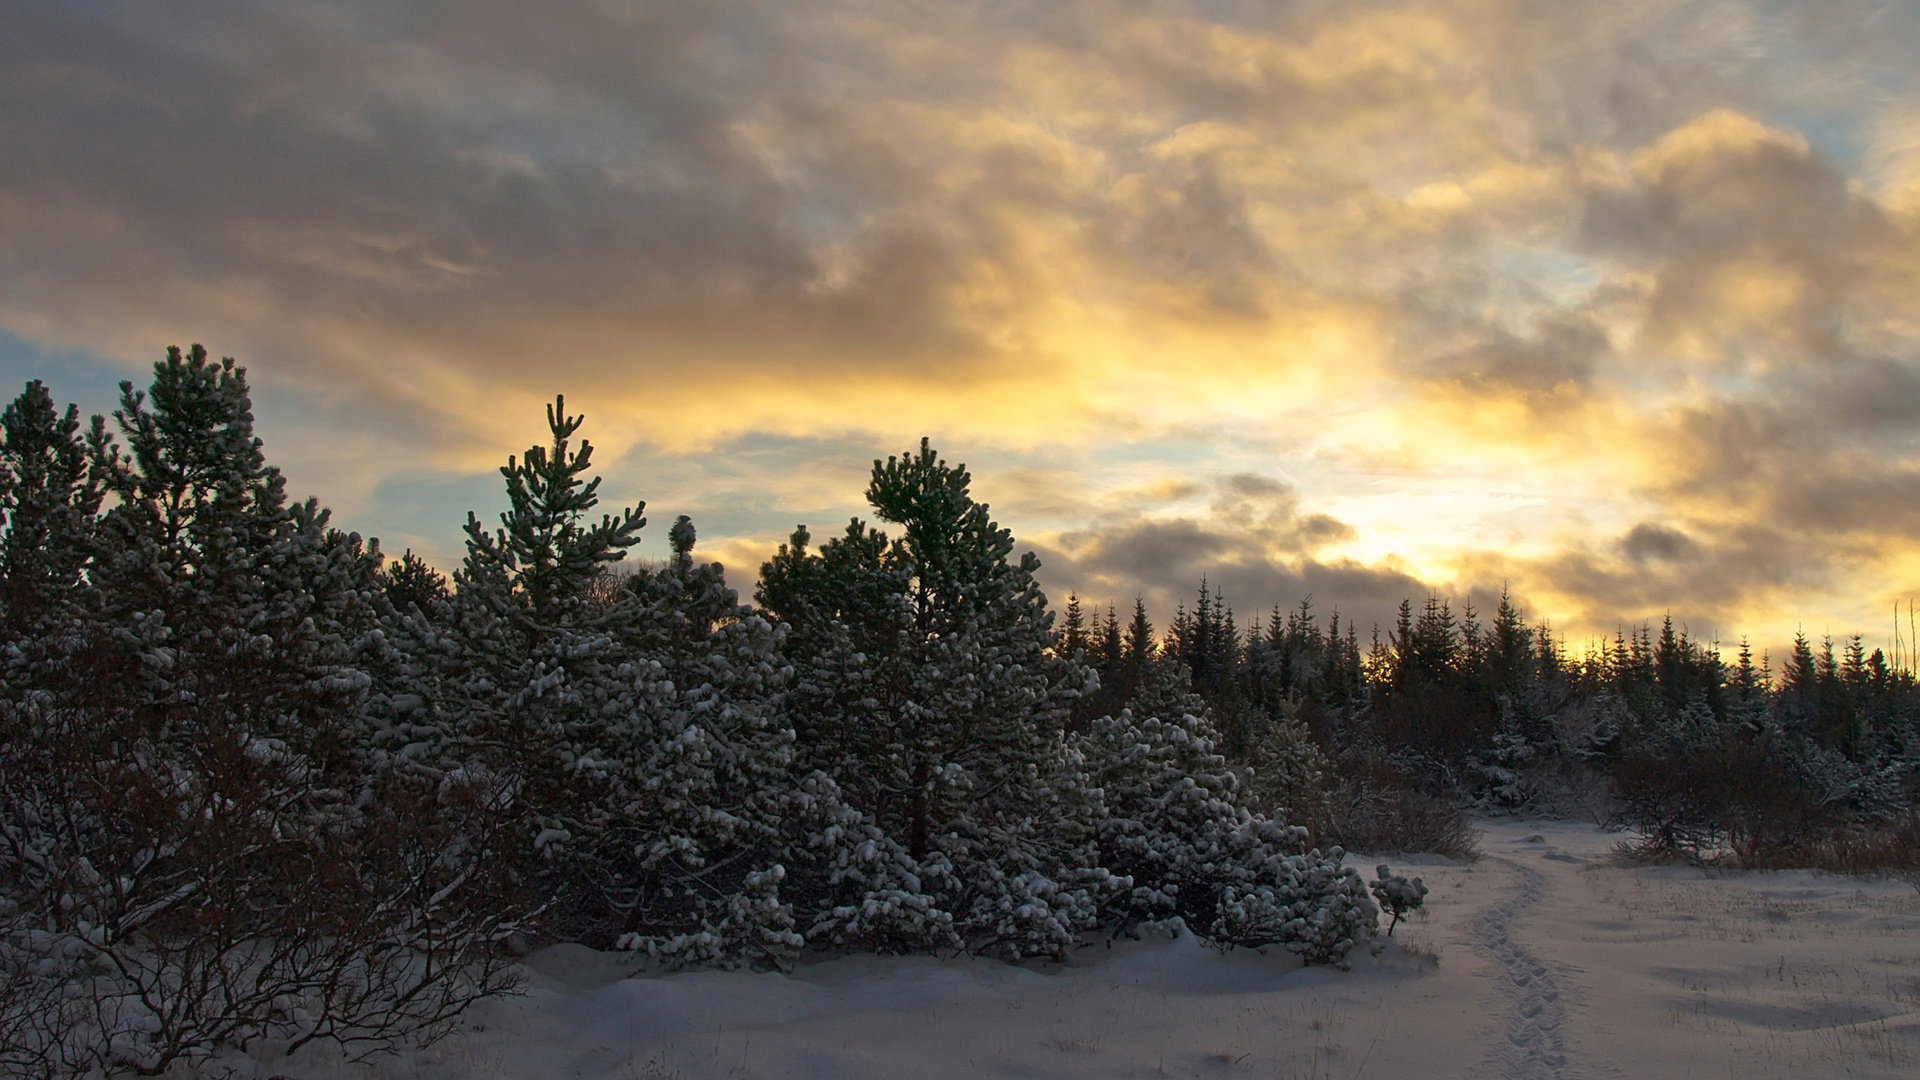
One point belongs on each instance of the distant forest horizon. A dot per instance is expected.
(1897, 640)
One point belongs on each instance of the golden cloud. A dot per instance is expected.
(1595, 300)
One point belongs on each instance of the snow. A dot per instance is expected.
(1545, 959)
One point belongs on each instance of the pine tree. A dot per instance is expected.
(639, 726)
(50, 498)
(704, 811)
(50, 495)
(201, 827)
(505, 680)
(955, 745)
(1180, 832)
(412, 585)
(243, 612)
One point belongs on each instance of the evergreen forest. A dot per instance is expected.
(260, 779)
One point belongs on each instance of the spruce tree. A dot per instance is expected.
(1073, 630)
(1112, 649)
(1138, 649)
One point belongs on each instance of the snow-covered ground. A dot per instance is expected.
(1543, 960)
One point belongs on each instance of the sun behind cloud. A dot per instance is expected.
(1611, 306)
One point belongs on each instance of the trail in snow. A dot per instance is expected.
(1534, 1043)
(1601, 970)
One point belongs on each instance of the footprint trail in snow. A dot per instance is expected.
(1533, 1045)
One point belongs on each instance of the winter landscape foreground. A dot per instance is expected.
(1546, 958)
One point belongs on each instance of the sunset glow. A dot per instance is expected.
(1614, 305)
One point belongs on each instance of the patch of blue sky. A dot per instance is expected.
(1840, 138)
(71, 375)
(1826, 75)
(759, 484)
(426, 512)
(1532, 281)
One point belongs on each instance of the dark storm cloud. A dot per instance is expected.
(1722, 583)
(1165, 562)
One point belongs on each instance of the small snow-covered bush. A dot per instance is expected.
(1398, 895)
(1179, 835)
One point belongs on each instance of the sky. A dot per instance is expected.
(1616, 306)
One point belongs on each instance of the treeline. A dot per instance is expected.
(258, 780)
(1385, 745)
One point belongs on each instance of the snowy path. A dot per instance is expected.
(1535, 1044)
(1546, 960)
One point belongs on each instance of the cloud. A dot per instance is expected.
(1253, 544)
(1649, 541)
(1505, 290)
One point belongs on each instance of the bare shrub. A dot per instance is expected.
(169, 893)
(1382, 805)
(1386, 819)
(1706, 790)
(1883, 848)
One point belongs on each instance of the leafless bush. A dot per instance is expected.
(166, 896)
(1884, 848)
(1715, 792)
(1573, 790)
(1375, 814)
(39, 1010)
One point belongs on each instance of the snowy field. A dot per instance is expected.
(1543, 960)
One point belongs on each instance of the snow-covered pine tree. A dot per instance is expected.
(50, 497)
(507, 683)
(1179, 827)
(707, 809)
(865, 891)
(196, 832)
(410, 582)
(928, 688)
(1398, 896)
(637, 731)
